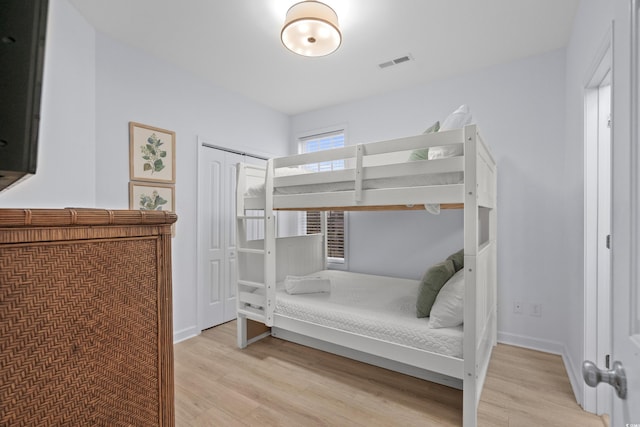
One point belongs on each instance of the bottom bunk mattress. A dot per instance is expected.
(374, 306)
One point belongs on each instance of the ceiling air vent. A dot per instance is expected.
(396, 61)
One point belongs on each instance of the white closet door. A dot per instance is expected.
(217, 234)
(229, 224)
(211, 236)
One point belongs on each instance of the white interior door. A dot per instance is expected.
(216, 230)
(211, 230)
(626, 240)
(626, 276)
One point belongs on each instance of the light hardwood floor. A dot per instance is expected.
(278, 383)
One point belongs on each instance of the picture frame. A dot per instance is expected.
(152, 154)
(149, 196)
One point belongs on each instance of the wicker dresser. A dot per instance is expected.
(85, 318)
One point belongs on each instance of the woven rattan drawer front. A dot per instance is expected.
(79, 333)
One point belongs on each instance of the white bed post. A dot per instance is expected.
(324, 229)
(470, 380)
(269, 245)
(360, 152)
(241, 236)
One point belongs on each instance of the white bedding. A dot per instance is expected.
(395, 182)
(375, 306)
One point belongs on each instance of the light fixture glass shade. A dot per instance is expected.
(311, 29)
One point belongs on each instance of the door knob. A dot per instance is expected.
(615, 377)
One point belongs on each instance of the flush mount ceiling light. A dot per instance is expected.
(311, 29)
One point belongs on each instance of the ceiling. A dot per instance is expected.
(235, 43)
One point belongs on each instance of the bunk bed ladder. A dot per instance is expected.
(256, 272)
(250, 294)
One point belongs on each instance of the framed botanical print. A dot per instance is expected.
(152, 154)
(151, 197)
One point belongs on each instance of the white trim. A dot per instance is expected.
(185, 334)
(547, 346)
(199, 285)
(575, 376)
(299, 136)
(592, 346)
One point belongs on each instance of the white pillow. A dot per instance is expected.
(290, 171)
(456, 120)
(306, 285)
(444, 151)
(448, 308)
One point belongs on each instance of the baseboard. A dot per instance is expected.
(184, 334)
(546, 346)
(575, 377)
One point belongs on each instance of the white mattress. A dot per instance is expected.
(375, 306)
(395, 182)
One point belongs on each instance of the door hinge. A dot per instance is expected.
(609, 122)
(607, 361)
(608, 241)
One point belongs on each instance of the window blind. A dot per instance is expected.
(335, 231)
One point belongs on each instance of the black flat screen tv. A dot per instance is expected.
(23, 27)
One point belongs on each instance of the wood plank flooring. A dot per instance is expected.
(278, 383)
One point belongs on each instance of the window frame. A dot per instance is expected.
(301, 140)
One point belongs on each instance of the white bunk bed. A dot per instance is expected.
(380, 178)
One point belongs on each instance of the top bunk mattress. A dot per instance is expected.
(375, 306)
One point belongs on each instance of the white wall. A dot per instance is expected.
(66, 149)
(519, 108)
(93, 87)
(134, 86)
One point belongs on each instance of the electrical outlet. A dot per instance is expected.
(535, 310)
(517, 307)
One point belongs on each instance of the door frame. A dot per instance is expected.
(597, 309)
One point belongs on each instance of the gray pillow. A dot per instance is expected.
(457, 259)
(433, 280)
(422, 153)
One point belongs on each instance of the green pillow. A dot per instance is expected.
(457, 259)
(433, 280)
(422, 153)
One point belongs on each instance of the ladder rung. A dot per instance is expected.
(252, 284)
(251, 251)
(253, 314)
(250, 217)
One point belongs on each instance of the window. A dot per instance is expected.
(335, 232)
(335, 220)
